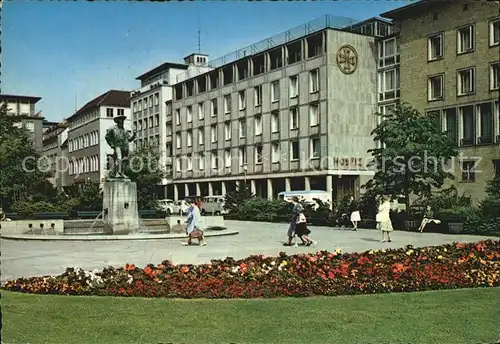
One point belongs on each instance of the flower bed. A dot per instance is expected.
(324, 273)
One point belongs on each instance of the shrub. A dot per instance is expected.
(28, 208)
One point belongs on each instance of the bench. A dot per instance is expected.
(51, 216)
(87, 214)
(12, 216)
(147, 213)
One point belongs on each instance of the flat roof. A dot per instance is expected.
(161, 68)
(4, 97)
(408, 10)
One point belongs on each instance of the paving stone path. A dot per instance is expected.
(36, 258)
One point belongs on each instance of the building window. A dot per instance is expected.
(315, 148)
(435, 47)
(468, 171)
(213, 133)
(258, 154)
(465, 39)
(227, 157)
(151, 101)
(388, 84)
(227, 131)
(465, 81)
(189, 114)
(215, 160)
(151, 122)
(242, 128)
(495, 76)
(189, 138)
(275, 127)
(178, 141)
(242, 155)
(189, 160)
(201, 161)
(451, 123)
(109, 112)
(275, 91)
(468, 128)
(169, 129)
(134, 126)
(201, 136)
(201, 113)
(494, 32)
(294, 86)
(314, 81)
(257, 91)
(435, 87)
(134, 107)
(178, 116)
(157, 99)
(241, 100)
(275, 152)
(213, 107)
(388, 52)
(314, 114)
(227, 104)
(485, 123)
(294, 118)
(157, 120)
(258, 125)
(294, 150)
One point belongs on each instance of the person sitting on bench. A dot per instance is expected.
(428, 218)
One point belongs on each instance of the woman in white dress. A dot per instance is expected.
(384, 218)
(355, 215)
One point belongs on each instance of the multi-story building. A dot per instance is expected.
(292, 112)
(23, 108)
(88, 152)
(450, 68)
(54, 153)
(150, 101)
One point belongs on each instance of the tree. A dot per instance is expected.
(145, 169)
(241, 194)
(413, 156)
(20, 177)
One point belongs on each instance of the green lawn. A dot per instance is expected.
(455, 316)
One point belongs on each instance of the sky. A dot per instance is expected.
(68, 53)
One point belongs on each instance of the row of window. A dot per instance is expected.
(241, 70)
(84, 119)
(144, 124)
(242, 126)
(153, 141)
(466, 41)
(466, 82)
(83, 141)
(277, 155)
(143, 104)
(110, 112)
(471, 124)
(242, 97)
(84, 165)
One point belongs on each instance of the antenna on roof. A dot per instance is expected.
(199, 35)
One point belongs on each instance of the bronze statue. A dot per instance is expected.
(118, 138)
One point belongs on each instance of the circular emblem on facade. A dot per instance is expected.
(347, 59)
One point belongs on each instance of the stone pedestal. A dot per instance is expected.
(121, 214)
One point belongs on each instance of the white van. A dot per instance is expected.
(213, 205)
(307, 196)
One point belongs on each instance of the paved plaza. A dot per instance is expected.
(35, 258)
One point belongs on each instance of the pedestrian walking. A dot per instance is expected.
(355, 215)
(384, 216)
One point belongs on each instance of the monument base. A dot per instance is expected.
(121, 215)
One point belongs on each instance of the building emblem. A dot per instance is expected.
(347, 59)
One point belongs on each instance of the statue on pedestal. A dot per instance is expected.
(119, 138)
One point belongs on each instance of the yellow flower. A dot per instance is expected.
(440, 257)
(409, 252)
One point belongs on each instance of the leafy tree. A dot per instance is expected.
(240, 195)
(415, 155)
(20, 179)
(145, 169)
(490, 206)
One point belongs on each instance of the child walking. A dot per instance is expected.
(302, 231)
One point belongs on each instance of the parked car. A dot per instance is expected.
(213, 205)
(181, 207)
(168, 206)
